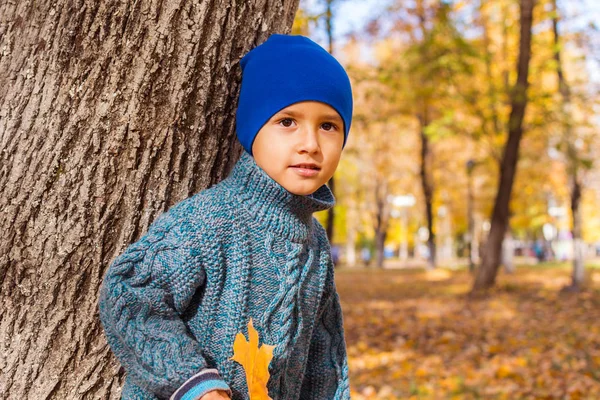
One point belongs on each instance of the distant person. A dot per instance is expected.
(538, 249)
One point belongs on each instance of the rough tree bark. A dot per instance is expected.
(110, 112)
(486, 274)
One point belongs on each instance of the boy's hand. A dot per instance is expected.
(216, 395)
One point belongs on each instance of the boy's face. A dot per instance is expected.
(307, 132)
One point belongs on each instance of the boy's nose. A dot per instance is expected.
(309, 140)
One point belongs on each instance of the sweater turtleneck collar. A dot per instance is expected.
(273, 206)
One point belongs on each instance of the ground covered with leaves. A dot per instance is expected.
(413, 334)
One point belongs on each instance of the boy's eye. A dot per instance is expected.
(329, 126)
(287, 122)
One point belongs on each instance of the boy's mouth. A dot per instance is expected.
(306, 166)
(306, 169)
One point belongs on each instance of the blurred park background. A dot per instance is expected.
(467, 229)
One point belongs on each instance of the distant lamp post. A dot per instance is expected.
(471, 224)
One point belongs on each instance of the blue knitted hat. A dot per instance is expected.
(284, 70)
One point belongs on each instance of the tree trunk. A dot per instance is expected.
(110, 112)
(427, 185)
(470, 219)
(351, 247)
(578, 275)
(508, 253)
(380, 237)
(404, 244)
(486, 275)
(426, 154)
(352, 222)
(382, 218)
(329, 28)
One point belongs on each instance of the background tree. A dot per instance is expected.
(111, 113)
(329, 30)
(488, 269)
(431, 52)
(575, 145)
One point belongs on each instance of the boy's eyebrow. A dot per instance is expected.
(295, 114)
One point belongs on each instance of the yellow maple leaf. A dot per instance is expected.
(255, 361)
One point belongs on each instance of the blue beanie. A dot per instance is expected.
(284, 70)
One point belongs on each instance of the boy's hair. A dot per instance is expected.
(284, 70)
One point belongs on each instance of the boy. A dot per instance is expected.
(248, 247)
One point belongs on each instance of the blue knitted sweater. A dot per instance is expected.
(172, 302)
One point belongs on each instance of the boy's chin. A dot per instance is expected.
(301, 190)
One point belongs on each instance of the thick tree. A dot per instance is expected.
(110, 112)
(486, 274)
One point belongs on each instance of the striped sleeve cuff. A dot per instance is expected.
(198, 385)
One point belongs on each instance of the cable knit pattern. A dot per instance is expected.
(172, 302)
(327, 356)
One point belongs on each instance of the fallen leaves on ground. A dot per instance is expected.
(417, 335)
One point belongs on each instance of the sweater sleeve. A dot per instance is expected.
(143, 294)
(326, 374)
